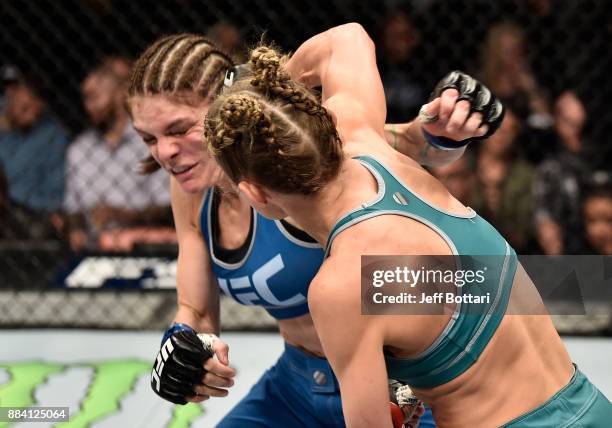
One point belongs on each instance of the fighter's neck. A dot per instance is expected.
(318, 214)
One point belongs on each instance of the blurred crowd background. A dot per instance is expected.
(69, 158)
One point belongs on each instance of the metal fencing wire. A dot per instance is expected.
(85, 240)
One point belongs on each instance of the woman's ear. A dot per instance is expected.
(333, 116)
(263, 200)
(254, 193)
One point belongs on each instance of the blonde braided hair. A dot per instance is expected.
(241, 117)
(266, 65)
(272, 130)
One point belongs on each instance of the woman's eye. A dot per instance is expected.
(180, 132)
(149, 141)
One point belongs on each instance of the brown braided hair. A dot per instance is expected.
(185, 66)
(270, 75)
(272, 130)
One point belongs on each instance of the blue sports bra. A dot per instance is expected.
(275, 269)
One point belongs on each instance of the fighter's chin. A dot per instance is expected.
(191, 180)
(191, 186)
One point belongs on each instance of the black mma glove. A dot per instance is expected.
(179, 363)
(481, 100)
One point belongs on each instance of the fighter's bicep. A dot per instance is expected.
(352, 77)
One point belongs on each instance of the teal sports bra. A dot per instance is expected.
(471, 326)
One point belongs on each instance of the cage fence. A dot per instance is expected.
(98, 278)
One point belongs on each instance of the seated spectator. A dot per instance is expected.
(32, 149)
(9, 75)
(227, 36)
(597, 209)
(404, 91)
(458, 177)
(20, 223)
(106, 195)
(558, 183)
(503, 191)
(121, 66)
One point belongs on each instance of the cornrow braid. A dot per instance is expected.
(241, 117)
(191, 65)
(175, 63)
(152, 80)
(266, 66)
(211, 78)
(137, 79)
(179, 63)
(241, 112)
(267, 129)
(268, 72)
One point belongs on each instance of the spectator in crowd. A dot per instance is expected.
(549, 50)
(121, 66)
(404, 91)
(108, 201)
(20, 223)
(506, 70)
(559, 180)
(503, 191)
(458, 177)
(9, 75)
(597, 210)
(227, 36)
(566, 42)
(32, 148)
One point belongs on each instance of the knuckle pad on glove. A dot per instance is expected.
(493, 117)
(180, 381)
(450, 81)
(179, 367)
(175, 393)
(189, 343)
(186, 363)
(481, 99)
(173, 397)
(468, 89)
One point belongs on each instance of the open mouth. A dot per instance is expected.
(179, 171)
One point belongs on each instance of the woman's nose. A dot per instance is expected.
(167, 148)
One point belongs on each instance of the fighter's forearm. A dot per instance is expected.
(408, 139)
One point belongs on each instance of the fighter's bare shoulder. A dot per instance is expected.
(334, 292)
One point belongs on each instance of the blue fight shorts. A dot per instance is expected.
(298, 391)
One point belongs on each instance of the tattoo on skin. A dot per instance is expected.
(425, 151)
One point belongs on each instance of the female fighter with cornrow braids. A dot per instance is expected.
(224, 244)
(476, 366)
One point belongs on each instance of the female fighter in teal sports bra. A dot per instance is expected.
(224, 245)
(474, 368)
